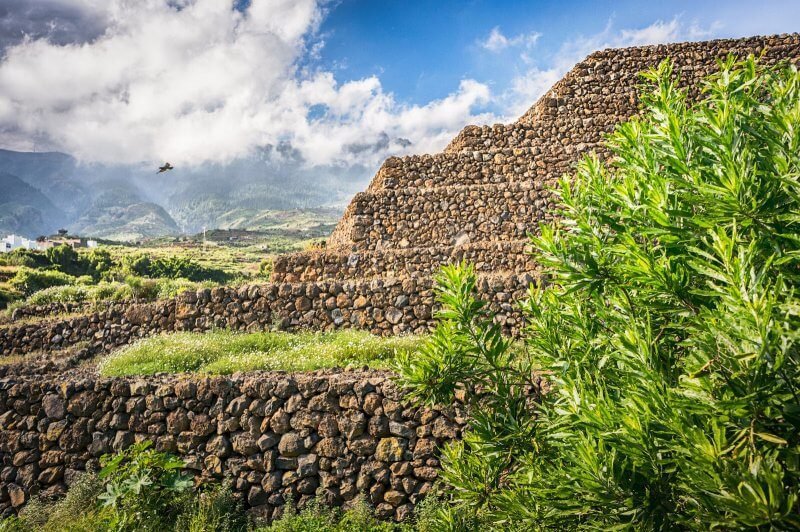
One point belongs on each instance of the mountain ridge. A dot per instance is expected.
(135, 203)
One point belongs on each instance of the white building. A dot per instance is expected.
(12, 242)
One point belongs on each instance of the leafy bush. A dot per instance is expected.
(104, 291)
(24, 257)
(224, 352)
(142, 288)
(167, 288)
(8, 295)
(132, 288)
(316, 517)
(174, 267)
(85, 280)
(358, 518)
(65, 259)
(28, 280)
(144, 489)
(138, 489)
(265, 269)
(99, 262)
(213, 510)
(669, 330)
(60, 294)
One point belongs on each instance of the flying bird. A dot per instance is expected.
(164, 168)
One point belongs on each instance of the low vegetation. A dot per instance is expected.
(224, 352)
(316, 518)
(141, 489)
(669, 332)
(155, 269)
(62, 275)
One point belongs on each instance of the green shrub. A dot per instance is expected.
(138, 489)
(144, 489)
(8, 296)
(174, 267)
(358, 518)
(60, 294)
(225, 352)
(265, 269)
(24, 257)
(85, 280)
(168, 288)
(142, 288)
(316, 517)
(669, 331)
(132, 288)
(105, 291)
(65, 259)
(76, 512)
(28, 280)
(215, 509)
(99, 262)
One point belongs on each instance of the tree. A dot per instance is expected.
(668, 331)
(98, 262)
(64, 258)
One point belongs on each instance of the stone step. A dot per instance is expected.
(488, 257)
(542, 136)
(411, 218)
(488, 166)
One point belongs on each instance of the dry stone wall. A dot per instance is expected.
(382, 306)
(488, 258)
(34, 311)
(333, 435)
(392, 219)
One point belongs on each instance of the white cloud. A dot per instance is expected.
(194, 81)
(497, 42)
(531, 84)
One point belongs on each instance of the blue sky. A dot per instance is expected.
(330, 82)
(420, 50)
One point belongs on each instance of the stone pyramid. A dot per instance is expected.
(480, 198)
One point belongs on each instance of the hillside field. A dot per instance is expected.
(158, 267)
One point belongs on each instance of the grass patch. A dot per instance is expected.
(6, 323)
(359, 518)
(224, 352)
(7, 360)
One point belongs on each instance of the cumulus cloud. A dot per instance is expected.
(531, 84)
(497, 42)
(211, 81)
(58, 21)
(194, 81)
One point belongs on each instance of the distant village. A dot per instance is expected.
(12, 242)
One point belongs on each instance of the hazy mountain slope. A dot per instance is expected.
(133, 201)
(24, 209)
(120, 214)
(54, 174)
(315, 222)
(194, 210)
